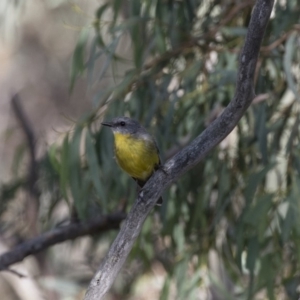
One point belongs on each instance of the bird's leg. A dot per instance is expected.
(161, 168)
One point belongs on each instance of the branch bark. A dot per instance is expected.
(186, 158)
(58, 235)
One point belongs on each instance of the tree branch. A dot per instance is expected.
(29, 133)
(280, 40)
(33, 200)
(58, 235)
(186, 158)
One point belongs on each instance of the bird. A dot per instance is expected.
(136, 151)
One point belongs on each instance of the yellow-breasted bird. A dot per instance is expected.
(135, 149)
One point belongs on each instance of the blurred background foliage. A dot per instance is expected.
(229, 228)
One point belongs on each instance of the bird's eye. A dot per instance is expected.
(122, 123)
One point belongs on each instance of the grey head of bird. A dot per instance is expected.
(125, 125)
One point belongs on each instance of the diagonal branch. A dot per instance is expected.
(58, 235)
(186, 158)
(33, 200)
(29, 133)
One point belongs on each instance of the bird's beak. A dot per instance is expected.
(109, 124)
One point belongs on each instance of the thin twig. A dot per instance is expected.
(228, 16)
(30, 137)
(58, 235)
(33, 199)
(20, 275)
(280, 40)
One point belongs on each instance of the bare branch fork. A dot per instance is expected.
(58, 235)
(188, 157)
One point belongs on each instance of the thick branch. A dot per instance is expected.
(188, 157)
(58, 235)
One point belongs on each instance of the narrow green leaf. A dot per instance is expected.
(179, 237)
(294, 133)
(123, 86)
(288, 222)
(220, 288)
(98, 24)
(267, 273)
(295, 204)
(258, 213)
(164, 295)
(93, 56)
(94, 169)
(117, 5)
(234, 31)
(223, 183)
(78, 61)
(262, 133)
(252, 253)
(192, 285)
(75, 172)
(181, 273)
(160, 40)
(254, 180)
(128, 24)
(52, 152)
(109, 56)
(64, 167)
(291, 46)
(136, 6)
(100, 11)
(18, 158)
(85, 195)
(280, 126)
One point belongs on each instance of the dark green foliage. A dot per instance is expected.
(243, 199)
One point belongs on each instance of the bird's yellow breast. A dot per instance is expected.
(136, 156)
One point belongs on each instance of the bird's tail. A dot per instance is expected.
(159, 201)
